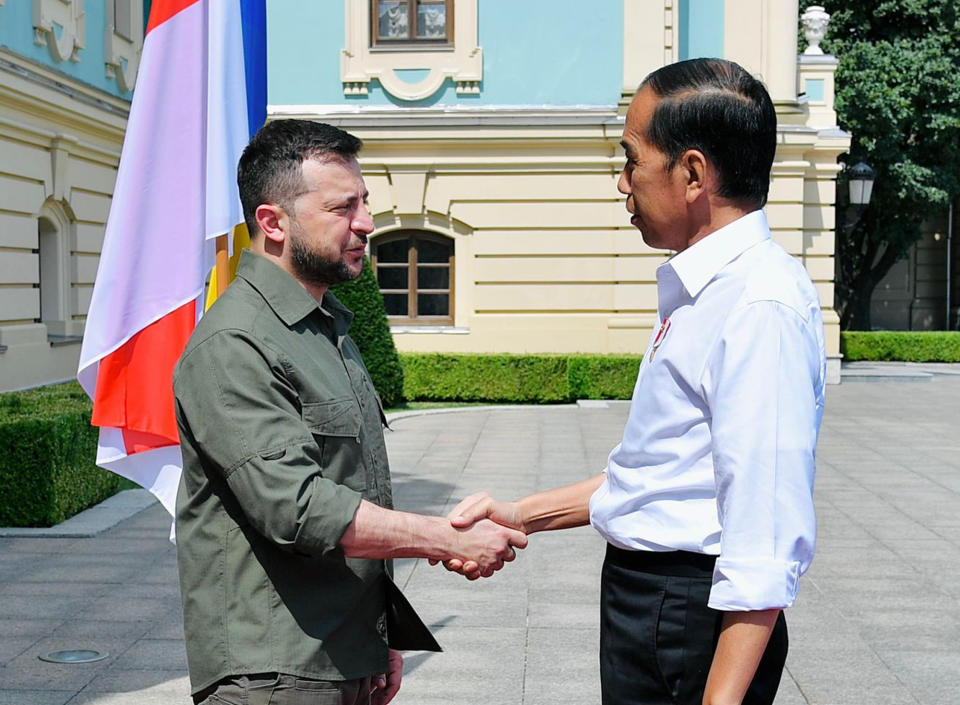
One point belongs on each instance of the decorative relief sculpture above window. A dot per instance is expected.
(123, 41)
(60, 25)
(391, 40)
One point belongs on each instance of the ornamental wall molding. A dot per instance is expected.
(39, 110)
(61, 26)
(359, 63)
(123, 41)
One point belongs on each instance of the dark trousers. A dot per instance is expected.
(281, 689)
(658, 637)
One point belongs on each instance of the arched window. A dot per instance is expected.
(48, 252)
(52, 284)
(415, 273)
(54, 259)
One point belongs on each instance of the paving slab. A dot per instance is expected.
(877, 619)
(868, 372)
(36, 697)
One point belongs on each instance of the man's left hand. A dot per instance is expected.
(386, 685)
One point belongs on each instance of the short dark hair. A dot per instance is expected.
(716, 107)
(270, 169)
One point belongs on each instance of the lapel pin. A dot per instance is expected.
(661, 336)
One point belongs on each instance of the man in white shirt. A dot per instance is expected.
(707, 502)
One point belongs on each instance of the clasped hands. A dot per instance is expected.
(479, 514)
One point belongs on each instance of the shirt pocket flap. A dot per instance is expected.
(337, 417)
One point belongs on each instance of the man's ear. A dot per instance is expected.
(693, 165)
(272, 222)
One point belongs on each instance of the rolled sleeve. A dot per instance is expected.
(765, 396)
(754, 584)
(243, 418)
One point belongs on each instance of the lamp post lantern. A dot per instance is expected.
(861, 183)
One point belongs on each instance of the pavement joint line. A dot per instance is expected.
(894, 371)
(412, 413)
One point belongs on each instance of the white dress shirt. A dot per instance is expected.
(717, 456)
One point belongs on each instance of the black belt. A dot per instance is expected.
(682, 564)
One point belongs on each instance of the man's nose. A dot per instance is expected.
(623, 184)
(363, 221)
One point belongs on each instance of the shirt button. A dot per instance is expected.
(382, 625)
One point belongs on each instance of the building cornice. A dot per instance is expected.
(44, 101)
(54, 80)
(449, 115)
(522, 117)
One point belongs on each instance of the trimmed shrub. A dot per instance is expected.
(47, 469)
(500, 378)
(611, 377)
(371, 332)
(904, 346)
(519, 379)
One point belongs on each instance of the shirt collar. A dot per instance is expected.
(284, 294)
(702, 261)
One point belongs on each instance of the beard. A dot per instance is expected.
(312, 267)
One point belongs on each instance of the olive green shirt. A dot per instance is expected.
(280, 430)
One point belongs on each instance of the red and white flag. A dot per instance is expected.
(200, 95)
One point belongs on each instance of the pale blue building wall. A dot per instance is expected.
(16, 34)
(701, 29)
(304, 39)
(536, 52)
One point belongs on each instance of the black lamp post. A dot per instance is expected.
(860, 179)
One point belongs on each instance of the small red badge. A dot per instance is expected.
(661, 336)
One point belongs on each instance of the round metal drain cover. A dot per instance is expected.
(75, 656)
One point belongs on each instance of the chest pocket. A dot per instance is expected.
(335, 425)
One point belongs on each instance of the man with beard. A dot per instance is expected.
(285, 525)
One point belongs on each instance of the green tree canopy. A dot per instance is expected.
(898, 94)
(371, 332)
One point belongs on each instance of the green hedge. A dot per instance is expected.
(371, 332)
(905, 346)
(607, 377)
(47, 470)
(520, 379)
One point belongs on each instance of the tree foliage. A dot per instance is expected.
(898, 94)
(371, 332)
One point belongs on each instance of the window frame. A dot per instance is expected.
(412, 264)
(376, 42)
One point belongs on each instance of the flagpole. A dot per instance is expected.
(223, 264)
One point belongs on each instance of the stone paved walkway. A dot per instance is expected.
(878, 619)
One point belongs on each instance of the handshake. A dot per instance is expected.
(477, 537)
(487, 532)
